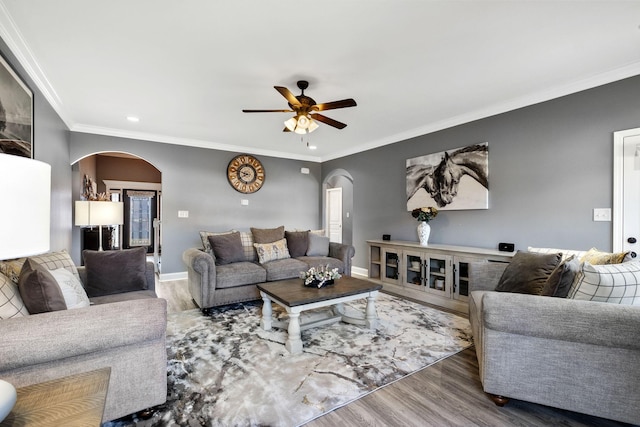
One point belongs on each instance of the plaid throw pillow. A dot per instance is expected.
(614, 283)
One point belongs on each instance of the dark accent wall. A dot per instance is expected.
(195, 180)
(550, 164)
(51, 145)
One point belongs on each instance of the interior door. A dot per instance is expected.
(626, 194)
(334, 214)
(140, 210)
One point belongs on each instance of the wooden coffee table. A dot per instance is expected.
(294, 297)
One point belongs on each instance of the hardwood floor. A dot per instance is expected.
(447, 393)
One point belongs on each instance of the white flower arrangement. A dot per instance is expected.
(319, 276)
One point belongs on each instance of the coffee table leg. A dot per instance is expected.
(294, 339)
(266, 312)
(371, 315)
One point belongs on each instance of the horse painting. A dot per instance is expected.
(454, 179)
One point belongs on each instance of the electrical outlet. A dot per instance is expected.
(602, 214)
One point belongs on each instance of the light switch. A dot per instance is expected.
(183, 214)
(244, 202)
(602, 214)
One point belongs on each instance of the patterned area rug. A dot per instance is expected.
(224, 370)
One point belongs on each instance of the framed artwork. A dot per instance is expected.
(450, 180)
(16, 113)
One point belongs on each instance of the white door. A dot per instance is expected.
(334, 214)
(626, 192)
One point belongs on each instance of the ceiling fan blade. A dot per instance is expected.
(287, 94)
(267, 111)
(327, 121)
(286, 129)
(344, 103)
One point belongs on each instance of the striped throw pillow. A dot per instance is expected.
(613, 283)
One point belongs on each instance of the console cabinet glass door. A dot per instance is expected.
(438, 274)
(414, 270)
(461, 277)
(391, 260)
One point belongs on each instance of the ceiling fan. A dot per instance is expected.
(306, 110)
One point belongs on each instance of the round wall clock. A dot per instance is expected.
(245, 174)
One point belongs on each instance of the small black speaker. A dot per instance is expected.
(506, 247)
(386, 237)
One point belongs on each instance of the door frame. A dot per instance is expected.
(618, 186)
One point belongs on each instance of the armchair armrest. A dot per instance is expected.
(597, 323)
(46, 337)
(344, 253)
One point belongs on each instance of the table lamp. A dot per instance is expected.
(90, 213)
(25, 191)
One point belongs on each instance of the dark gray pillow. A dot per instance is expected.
(569, 270)
(115, 272)
(318, 245)
(297, 242)
(267, 235)
(528, 273)
(227, 248)
(39, 290)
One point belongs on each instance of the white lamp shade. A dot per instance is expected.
(25, 191)
(91, 213)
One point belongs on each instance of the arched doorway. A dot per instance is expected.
(342, 180)
(126, 178)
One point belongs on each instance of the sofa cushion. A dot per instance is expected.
(318, 245)
(566, 253)
(53, 260)
(11, 268)
(204, 237)
(594, 256)
(227, 248)
(247, 245)
(272, 251)
(11, 304)
(114, 272)
(239, 273)
(282, 269)
(267, 235)
(318, 261)
(613, 283)
(39, 289)
(528, 273)
(569, 268)
(125, 296)
(297, 242)
(72, 291)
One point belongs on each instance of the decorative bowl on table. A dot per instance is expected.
(8, 398)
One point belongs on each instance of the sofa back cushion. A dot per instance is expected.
(227, 248)
(267, 235)
(114, 272)
(318, 245)
(11, 303)
(39, 289)
(529, 273)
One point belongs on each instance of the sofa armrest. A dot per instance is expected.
(46, 337)
(201, 275)
(344, 253)
(149, 274)
(597, 323)
(484, 276)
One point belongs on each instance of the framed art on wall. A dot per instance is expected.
(16, 113)
(450, 180)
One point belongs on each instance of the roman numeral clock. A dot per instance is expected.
(245, 174)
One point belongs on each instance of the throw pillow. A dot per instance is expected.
(613, 283)
(11, 305)
(318, 245)
(204, 237)
(272, 251)
(569, 271)
(115, 272)
(72, 290)
(53, 260)
(528, 273)
(227, 248)
(11, 268)
(594, 256)
(297, 242)
(267, 235)
(247, 245)
(39, 290)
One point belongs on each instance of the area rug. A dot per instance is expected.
(224, 370)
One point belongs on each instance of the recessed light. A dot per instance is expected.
(133, 119)
(312, 147)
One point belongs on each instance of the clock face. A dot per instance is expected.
(245, 174)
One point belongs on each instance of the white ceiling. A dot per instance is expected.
(188, 68)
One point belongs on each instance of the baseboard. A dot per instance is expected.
(181, 275)
(359, 271)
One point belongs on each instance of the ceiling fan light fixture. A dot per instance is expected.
(313, 125)
(291, 124)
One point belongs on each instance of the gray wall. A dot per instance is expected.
(194, 179)
(550, 164)
(51, 145)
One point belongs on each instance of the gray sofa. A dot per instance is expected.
(123, 331)
(211, 284)
(582, 356)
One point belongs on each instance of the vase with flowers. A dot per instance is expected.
(318, 277)
(424, 215)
